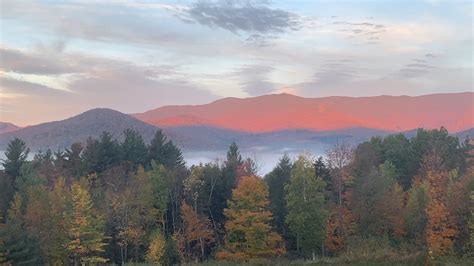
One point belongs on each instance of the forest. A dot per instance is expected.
(387, 200)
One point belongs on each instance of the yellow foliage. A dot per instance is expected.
(156, 250)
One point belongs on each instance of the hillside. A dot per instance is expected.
(284, 111)
(7, 127)
(61, 134)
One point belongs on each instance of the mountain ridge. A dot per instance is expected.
(279, 111)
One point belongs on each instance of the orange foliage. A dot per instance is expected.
(439, 230)
(196, 234)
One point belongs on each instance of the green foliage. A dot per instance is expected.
(377, 199)
(306, 214)
(17, 246)
(415, 214)
(163, 152)
(73, 161)
(134, 214)
(381, 200)
(398, 150)
(15, 156)
(133, 148)
(101, 154)
(276, 180)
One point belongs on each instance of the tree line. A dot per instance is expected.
(107, 201)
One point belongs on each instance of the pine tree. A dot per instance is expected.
(248, 231)
(85, 229)
(73, 161)
(15, 155)
(133, 148)
(276, 180)
(163, 152)
(306, 214)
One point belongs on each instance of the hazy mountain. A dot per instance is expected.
(7, 127)
(61, 134)
(466, 133)
(267, 123)
(284, 111)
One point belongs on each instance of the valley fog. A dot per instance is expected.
(266, 158)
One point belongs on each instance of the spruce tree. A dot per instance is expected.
(15, 156)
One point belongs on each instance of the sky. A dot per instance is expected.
(60, 58)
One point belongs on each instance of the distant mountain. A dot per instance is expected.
(7, 127)
(202, 138)
(466, 133)
(455, 111)
(268, 123)
(61, 134)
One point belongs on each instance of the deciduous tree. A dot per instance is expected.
(306, 214)
(248, 231)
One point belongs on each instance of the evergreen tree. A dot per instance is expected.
(85, 228)
(248, 231)
(17, 246)
(276, 180)
(90, 155)
(7, 190)
(306, 214)
(15, 156)
(133, 148)
(73, 161)
(228, 181)
(163, 151)
(108, 152)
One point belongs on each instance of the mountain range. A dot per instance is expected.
(7, 127)
(271, 122)
(455, 111)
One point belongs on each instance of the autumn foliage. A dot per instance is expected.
(394, 198)
(248, 231)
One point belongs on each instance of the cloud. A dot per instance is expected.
(245, 16)
(254, 79)
(370, 32)
(34, 63)
(256, 19)
(421, 67)
(106, 22)
(97, 82)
